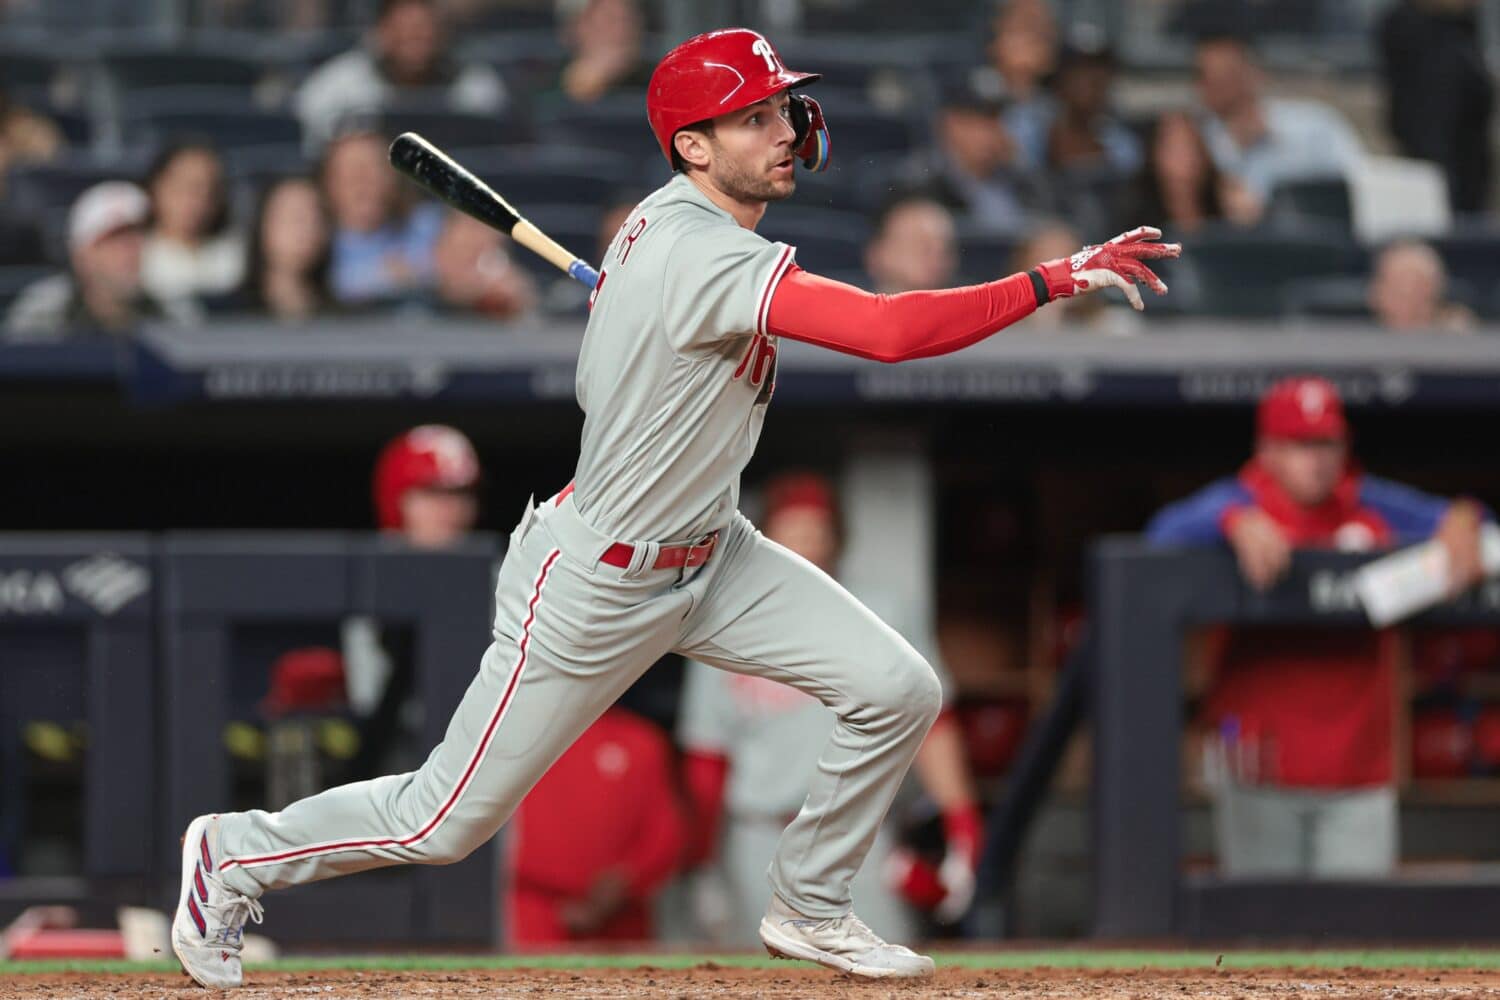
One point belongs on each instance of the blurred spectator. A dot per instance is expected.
(290, 252)
(1439, 93)
(1023, 51)
(1182, 188)
(1097, 313)
(102, 291)
(1304, 717)
(475, 272)
(25, 137)
(974, 170)
(914, 247)
(1261, 140)
(604, 40)
(405, 57)
(750, 742)
(382, 245)
(1407, 292)
(1078, 129)
(190, 251)
(426, 486)
(596, 838)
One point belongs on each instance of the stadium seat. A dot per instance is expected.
(574, 226)
(826, 240)
(838, 188)
(535, 175)
(859, 132)
(1248, 273)
(137, 66)
(1471, 254)
(451, 129)
(1392, 197)
(1315, 200)
(616, 122)
(42, 193)
(227, 118)
(985, 256)
(13, 280)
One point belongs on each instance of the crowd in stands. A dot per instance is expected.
(193, 180)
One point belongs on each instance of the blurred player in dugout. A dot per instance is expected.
(750, 744)
(1304, 717)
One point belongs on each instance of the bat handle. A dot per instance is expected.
(580, 271)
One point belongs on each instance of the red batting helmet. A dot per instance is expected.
(722, 71)
(431, 456)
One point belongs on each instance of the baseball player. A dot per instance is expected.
(645, 551)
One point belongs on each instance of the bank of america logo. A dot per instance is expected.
(106, 582)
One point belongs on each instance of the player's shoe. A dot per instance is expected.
(841, 943)
(208, 928)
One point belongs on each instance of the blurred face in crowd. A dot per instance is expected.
(409, 38)
(613, 25)
(1083, 88)
(436, 518)
(110, 266)
(1227, 79)
(294, 230)
(808, 531)
(359, 183)
(915, 248)
(748, 153)
(1024, 48)
(1179, 153)
(975, 140)
(1406, 292)
(187, 194)
(1306, 470)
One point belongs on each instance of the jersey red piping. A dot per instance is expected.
(442, 813)
(764, 309)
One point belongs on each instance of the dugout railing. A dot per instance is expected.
(1143, 601)
(137, 636)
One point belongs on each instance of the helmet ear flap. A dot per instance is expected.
(809, 132)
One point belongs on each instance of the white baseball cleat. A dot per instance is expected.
(208, 928)
(844, 944)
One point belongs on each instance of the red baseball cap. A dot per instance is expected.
(432, 456)
(1302, 408)
(800, 489)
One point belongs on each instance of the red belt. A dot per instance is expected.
(670, 556)
(690, 554)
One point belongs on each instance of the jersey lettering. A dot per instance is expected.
(760, 362)
(635, 234)
(762, 48)
(598, 288)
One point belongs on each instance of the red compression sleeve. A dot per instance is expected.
(817, 310)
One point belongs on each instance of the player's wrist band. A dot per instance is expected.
(1039, 285)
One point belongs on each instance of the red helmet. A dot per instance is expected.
(431, 456)
(722, 71)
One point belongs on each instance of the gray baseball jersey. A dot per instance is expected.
(676, 368)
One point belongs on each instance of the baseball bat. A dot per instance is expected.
(446, 180)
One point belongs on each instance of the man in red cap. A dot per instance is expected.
(645, 552)
(425, 483)
(1304, 717)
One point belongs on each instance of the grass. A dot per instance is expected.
(1060, 958)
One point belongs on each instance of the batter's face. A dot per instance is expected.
(748, 155)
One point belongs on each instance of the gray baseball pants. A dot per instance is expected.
(571, 634)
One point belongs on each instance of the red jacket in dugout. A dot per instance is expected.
(595, 839)
(1304, 707)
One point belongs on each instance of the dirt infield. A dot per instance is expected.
(711, 980)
